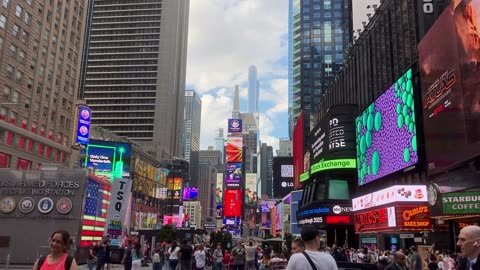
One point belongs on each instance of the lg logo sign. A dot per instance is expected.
(427, 6)
(285, 184)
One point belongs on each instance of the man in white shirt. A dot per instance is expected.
(200, 257)
(319, 260)
(469, 244)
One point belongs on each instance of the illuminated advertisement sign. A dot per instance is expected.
(108, 159)
(234, 150)
(234, 125)
(375, 220)
(282, 176)
(413, 217)
(324, 210)
(94, 219)
(233, 203)
(325, 214)
(334, 135)
(174, 188)
(117, 212)
(399, 193)
(144, 178)
(233, 175)
(392, 115)
(448, 55)
(339, 219)
(190, 193)
(336, 164)
(83, 124)
(461, 203)
(278, 217)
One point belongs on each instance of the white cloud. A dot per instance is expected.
(225, 38)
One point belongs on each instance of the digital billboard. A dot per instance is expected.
(108, 159)
(448, 58)
(233, 175)
(279, 217)
(386, 132)
(190, 193)
(282, 176)
(233, 203)
(83, 124)
(234, 125)
(234, 150)
(393, 194)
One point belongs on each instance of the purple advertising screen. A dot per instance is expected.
(233, 175)
(234, 125)
(386, 132)
(450, 75)
(190, 193)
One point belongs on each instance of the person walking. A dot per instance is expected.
(416, 259)
(173, 255)
(200, 258)
(311, 258)
(239, 255)
(298, 246)
(58, 257)
(250, 251)
(399, 262)
(127, 255)
(218, 257)
(157, 258)
(91, 256)
(136, 254)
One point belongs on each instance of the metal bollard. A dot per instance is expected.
(7, 262)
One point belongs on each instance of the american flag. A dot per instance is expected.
(94, 217)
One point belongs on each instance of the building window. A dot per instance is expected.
(13, 50)
(24, 37)
(18, 11)
(5, 3)
(6, 92)
(15, 96)
(21, 56)
(19, 76)
(1, 43)
(23, 164)
(15, 30)
(3, 21)
(10, 71)
(4, 160)
(28, 102)
(27, 17)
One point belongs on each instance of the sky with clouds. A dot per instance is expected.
(228, 36)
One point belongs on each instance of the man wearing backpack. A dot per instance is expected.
(239, 256)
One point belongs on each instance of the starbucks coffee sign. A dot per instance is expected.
(461, 203)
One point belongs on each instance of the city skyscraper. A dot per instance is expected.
(191, 123)
(266, 170)
(253, 90)
(135, 76)
(41, 45)
(220, 141)
(319, 32)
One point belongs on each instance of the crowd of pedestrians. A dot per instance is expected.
(305, 253)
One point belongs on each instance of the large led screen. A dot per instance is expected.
(449, 55)
(282, 176)
(108, 159)
(233, 150)
(233, 203)
(233, 175)
(298, 152)
(386, 132)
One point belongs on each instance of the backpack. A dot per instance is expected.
(68, 262)
(156, 258)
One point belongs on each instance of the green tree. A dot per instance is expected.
(288, 238)
(167, 233)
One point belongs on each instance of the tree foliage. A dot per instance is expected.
(167, 234)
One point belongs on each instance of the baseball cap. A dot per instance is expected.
(309, 233)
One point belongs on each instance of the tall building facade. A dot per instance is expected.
(220, 141)
(194, 211)
(41, 44)
(135, 76)
(319, 31)
(266, 170)
(253, 90)
(285, 148)
(207, 179)
(191, 123)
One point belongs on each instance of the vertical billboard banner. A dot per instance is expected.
(448, 57)
(108, 159)
(392, 115)
(251, 195)
(234, 125)
(234, 150)
(298, 152)
(144, 177)
(233, 175)
(83, 124)
(233, 203)
(117, 210)
(282, 176)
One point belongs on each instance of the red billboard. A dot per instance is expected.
(394, 218)
(449, 55)
(233, 203)
(298, 152)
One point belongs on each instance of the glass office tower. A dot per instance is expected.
(319, 33)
